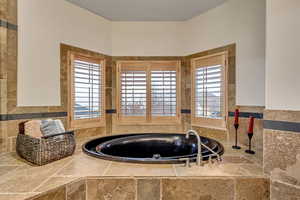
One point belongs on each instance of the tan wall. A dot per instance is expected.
(235, 21)
(147, 38)
(43, 25)
(282, 55)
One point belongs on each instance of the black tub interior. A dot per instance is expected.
(149, 148)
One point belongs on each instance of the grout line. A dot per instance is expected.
(136, 188)
(47, 179)
(66, 192)
(235, 189)
(86, 188)
(288, 184)
(20, 193)
(160, 188)
(8, 173)
(174, 169)
(107, 168)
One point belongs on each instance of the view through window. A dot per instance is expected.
(149, 90)
(86, 91)
(209, 90)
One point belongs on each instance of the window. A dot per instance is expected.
(148, 92)
(86, 103)
(209, 91)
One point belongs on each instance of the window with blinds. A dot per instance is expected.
(133, 93)
(87, 82)
(163, 93)
(209, 90)
(148, 91)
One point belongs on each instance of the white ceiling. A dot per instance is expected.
(147, 10)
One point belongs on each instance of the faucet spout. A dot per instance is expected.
(199, 144)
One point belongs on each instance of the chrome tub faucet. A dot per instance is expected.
(199, 144)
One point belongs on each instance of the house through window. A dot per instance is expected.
(209, 91)
(87, 91)
(148, 92)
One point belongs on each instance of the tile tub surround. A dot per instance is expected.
(282, 152)
(148, 188)
(72, 175)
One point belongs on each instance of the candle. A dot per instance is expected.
(251, 124)
(236, 117)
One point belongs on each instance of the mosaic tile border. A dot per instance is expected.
(185, 111)
(8, 117)
(111, 111)
(282, 125)
(248, 114)
(8, 25)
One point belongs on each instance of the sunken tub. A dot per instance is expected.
(151, 148)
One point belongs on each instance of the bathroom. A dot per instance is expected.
(152, 96)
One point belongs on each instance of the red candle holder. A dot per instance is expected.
(250, 135)
(236, 126)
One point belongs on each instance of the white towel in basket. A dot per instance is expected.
(50, 127)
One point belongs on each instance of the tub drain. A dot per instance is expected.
(156, 156)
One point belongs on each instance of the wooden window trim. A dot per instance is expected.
(84, 123)
(203, 121)
(149, 66)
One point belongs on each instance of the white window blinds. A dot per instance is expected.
(208, 92)
(87, 93)
(163, 93)
(148, 91)
(133, 93)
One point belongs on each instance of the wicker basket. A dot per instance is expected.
(47, 149)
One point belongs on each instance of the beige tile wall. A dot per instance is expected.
(161, 189)
(282, 156)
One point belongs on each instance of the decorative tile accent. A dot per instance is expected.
(282, 125)
(185, 111)
(111, 111)
(247, 115)
(8, 25)
(8, 117)
(148, 189)
(103, 189)
(252, 189)
(281, 191)
(76, 190)
(203, 188)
